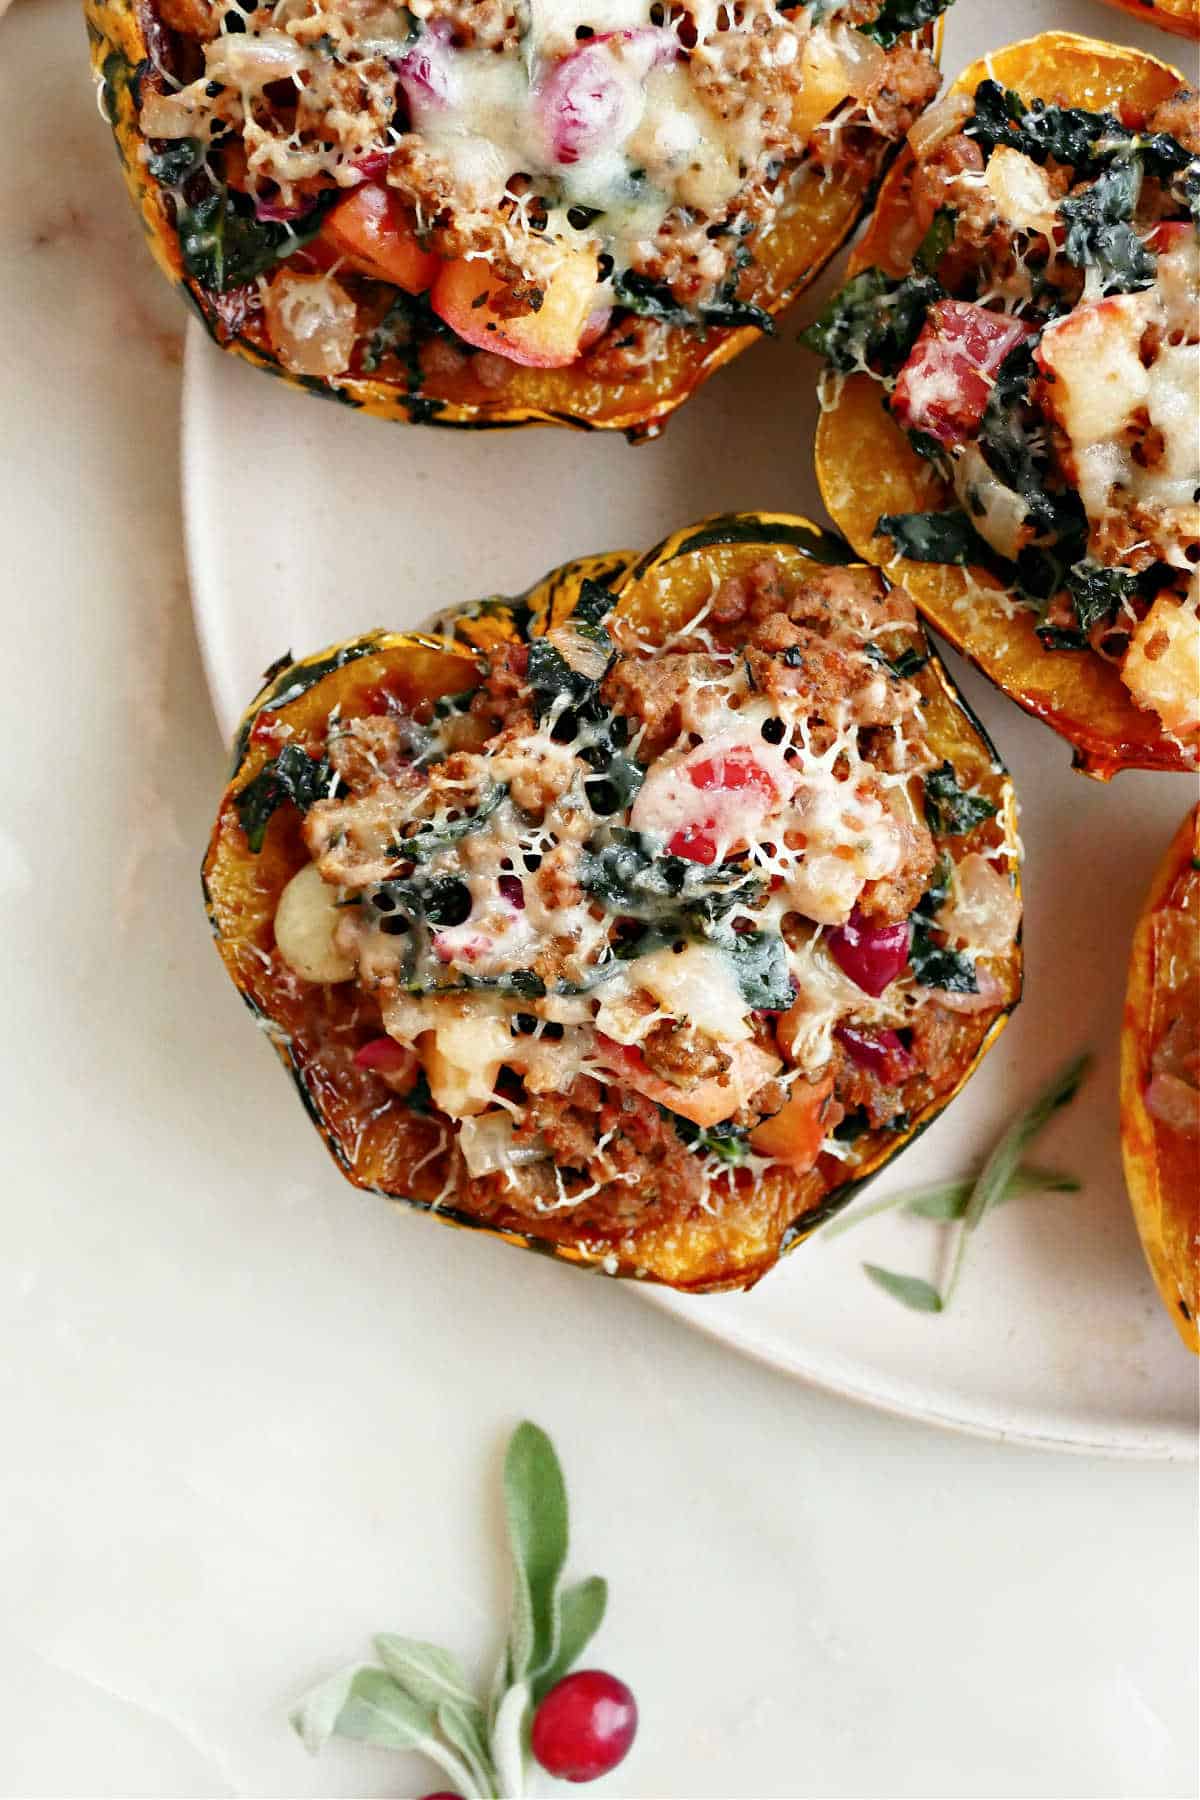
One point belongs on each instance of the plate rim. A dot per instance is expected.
(1164, 1444)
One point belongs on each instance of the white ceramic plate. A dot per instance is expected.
(308, 523)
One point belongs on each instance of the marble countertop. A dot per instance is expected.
(250, 1418)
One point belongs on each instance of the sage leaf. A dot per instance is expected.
(535, 1505)
(910, 1290)
(365, 1704)
(997, 1171)
(947, 1200)
(432, 1676)
(580, 1612)
(508, 1742)
(462, 1732)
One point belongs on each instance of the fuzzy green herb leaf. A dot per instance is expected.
(535, 1506)
(1000, 1166)
(910, 1290)
(580, 1614)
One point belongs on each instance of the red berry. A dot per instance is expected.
(442, 1797)
(584, 1726)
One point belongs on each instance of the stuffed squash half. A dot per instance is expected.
(1012, 423)
(1160, 1079)
(490, 213)
(640, 920)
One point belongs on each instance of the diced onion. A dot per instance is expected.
(939, 122)
(312, 320)
(984, 911)
(486, 1142)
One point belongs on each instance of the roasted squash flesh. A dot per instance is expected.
(382, 1144)
(867, 466)
(1160, 1110)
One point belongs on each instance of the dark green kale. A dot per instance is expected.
(1067, 133)
(1100, 230)
(630, 879)
(730, 1143)
(225, 246)
(172, 166)
(873, 322)
(1098, 593)
(654, 300)
(932, 963)
(760, 965)
(910, 662)
(945, 537)
(292, 776)
(895, 17)
(950, 811)
(936, 242)
(428, 839)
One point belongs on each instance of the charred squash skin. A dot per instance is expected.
(867, 467)
(1181, 17)
(126, 35)
(1162, 1167)
(656, 593)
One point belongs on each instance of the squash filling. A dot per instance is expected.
(628, 925)
(387, 185)
(1036, 334)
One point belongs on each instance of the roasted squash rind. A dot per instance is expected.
(1162, 1167)
(1181, 17)
(657, 592)
(867, 467)
(818, 222)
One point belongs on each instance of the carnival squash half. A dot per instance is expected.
(1059, 664)
(560, 983)
(1160, 1076)
(374, 319)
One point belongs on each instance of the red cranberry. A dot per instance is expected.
(512, 891)
(871, 955)
(384, 1055)
(584, 1726)
(440, 1796)
(882, 1052)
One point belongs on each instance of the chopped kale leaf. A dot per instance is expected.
(895, 17)
(172, 166)
(292, 776)
(950, 811)
(946, 537)
(1097, 593)
(760, 964)
(932, 963)
(936, 242)
(225, 246)
(731, 1143)
(910, 662)
(1100, 232)
(873, 322)
(654, 300)
(429, 838)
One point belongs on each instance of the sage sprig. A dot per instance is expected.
(966, 1202)
(421, 1699)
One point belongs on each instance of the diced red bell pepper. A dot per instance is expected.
(944, 386)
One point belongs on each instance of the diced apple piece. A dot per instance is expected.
(826, 84)
(464, 295)
(1095, 378)
(462, 1059)
(374, 232)
(795, 1133)
(1162, 668)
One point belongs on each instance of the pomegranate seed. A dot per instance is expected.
(584, 1726)
(871, 955)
